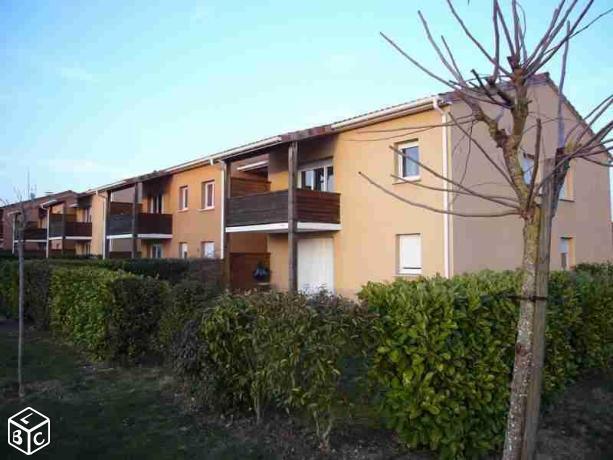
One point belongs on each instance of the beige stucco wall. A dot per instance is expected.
(365, 247)
(496, 243)
(97, 212)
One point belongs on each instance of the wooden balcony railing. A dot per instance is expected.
(147, 223)
(269, 208)
(33, 233)
(68, 226)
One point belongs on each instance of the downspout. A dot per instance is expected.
(223, 209)
(446, 217)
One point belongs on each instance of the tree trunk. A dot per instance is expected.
(523, 368)
(21, 302)
(524, 410)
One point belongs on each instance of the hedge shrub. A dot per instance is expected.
(81, 304)
(446, 348)
(186, 298)
(37, 278)
(134, 316)
(111, 314)
(275, 349)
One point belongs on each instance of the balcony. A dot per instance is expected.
(68, 227)
(35, 234)
(148, 225)
(267, 212)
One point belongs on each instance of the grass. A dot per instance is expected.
(104, 412)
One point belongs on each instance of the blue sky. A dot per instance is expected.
(94, 91)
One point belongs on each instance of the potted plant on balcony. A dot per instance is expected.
(261, 274)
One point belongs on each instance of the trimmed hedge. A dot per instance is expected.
(208, 273)
(186, 299)
(111, 314)
(133, 320)
(446, 348)
(81, 304)
(37, 278)
(258, 350)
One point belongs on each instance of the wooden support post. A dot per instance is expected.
(226, 195)
(63, 226)
(135, 221)
(292, 241)
(47, 248)
(107, 214)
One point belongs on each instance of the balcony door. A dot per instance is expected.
(156, 203)
(315, 264)
(317, 176)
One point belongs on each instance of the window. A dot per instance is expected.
(208, 195)
(183, 198)
(409, 254)
(207, 249)
(87, 214)
(528, 167)
(566, 253)
(87, 247)
(156, 251)
(567, 189)
(407, 168)
(318, 176)
(156, 203)
(183, 250)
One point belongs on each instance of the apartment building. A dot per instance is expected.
(325, 225)
(36, 233)
(299, 203)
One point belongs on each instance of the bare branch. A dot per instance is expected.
(430, 208)
(492, 198)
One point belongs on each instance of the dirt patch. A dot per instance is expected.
(579, 425)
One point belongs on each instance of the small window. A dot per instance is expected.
(156, 203)
(528, 167)
(409, 254)
(183, 198)
(566, 190)
(156, 251)
(87, 214)
(318, 176)
(208, 195)
(407, 166)
(566, 253)
(207, 249)
(183, 250)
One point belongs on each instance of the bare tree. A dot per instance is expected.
(18, 221)
(499, 100)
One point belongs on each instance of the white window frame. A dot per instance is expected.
(208, 189)
(183, 198)
(412, 269)
(400, 161)
(527, 166)
(153, 198)
(569, 241)
(325, 164)
(566, 192)
(203, 249)
(87, 214)
(159, 246)
(183, 254)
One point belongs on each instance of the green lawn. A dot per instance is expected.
(102, 412)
